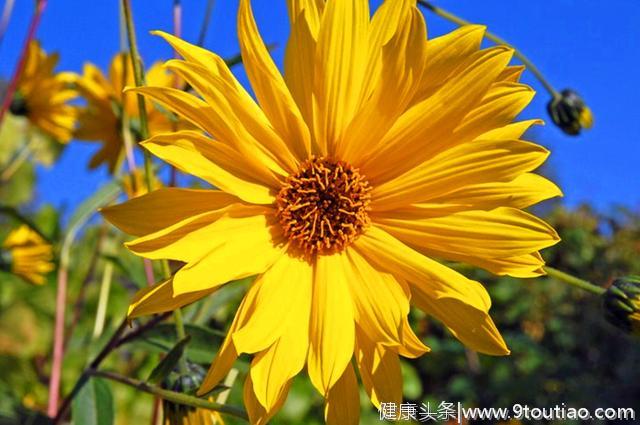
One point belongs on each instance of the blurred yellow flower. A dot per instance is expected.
(42, 95)
(185, 415)
(29, 255)
(377, 151)
(101, 119)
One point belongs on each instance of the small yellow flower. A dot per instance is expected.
(376, 153)
(101, 119)
(42, 95)
(29, 256)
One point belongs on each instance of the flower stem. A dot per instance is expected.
(498, 40)
(574, 281)
(103, 300)
(173, 396)
(31, 33)
(138, 74)
(205, 22)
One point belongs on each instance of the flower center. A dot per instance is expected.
(324, 207)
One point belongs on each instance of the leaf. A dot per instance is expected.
(170, 361)
(94, 404)
(202, 347)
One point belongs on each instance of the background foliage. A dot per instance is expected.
(562, 349)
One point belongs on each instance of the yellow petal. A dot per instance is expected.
(510, 131)
(379, 370)
(227, 354)
(299, 67)
(191, 238)
(160, 298)
(512, 73)
(236, 119)
(523, 191)
(332, 327)
(203, 57)
(273, 368)
(340, 62)
(312, 11)
(421, 132)
(215, 163)
(284, 297)
(411, 346)
(402, 64)
(467, 164)
(269, 86)
(381, 302)
(522, 266)
(232, 256)
(502, 103)
(473, 328)
(458, 302)
(163, 208)
(258, 414)
(498, 233)
(445, 54)
(343, 402)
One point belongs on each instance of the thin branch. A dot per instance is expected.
(206, 21)
(6, 16)
(172, 396)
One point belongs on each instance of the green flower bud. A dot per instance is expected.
(622, 304)
(178, 414)
(570, 113)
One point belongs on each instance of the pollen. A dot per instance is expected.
(324, 207)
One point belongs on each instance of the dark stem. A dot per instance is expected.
(206, 21)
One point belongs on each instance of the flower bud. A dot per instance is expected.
(18, 105)
(622, 304)
(179, 414)
(570, 113)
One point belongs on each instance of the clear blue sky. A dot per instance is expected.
(590, 45)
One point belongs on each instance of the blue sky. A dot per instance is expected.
(589, 45)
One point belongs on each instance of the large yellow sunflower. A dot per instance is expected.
(376, 152)
(27, 255)
(42, 95)
(100, 119)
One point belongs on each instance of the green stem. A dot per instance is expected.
(498, 40)
(138, 75)
(103, 300)
(574, 281)
(172, 396)
(206, 20)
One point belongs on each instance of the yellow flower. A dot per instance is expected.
(377, 152)
(185, 415)
(101, 121)
(42, 96)
(30, 256)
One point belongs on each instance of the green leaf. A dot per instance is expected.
(94, 404)
(202, 347)
(169, 363)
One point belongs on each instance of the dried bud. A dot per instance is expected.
(622, 304)
(569, 112)
(18, 105)
(178, 414)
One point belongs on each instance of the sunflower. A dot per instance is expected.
(42, 95)
(101, 119)
(376, 153)
(27, 255)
